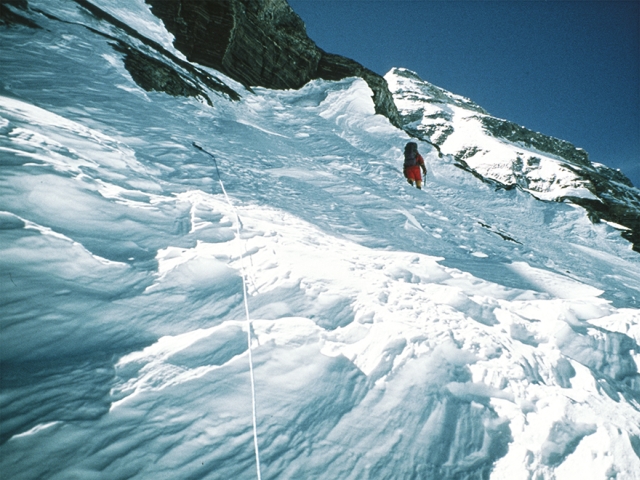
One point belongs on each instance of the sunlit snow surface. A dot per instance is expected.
(454, 332)
(455, 123)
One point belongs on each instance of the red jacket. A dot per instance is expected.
(413, 171)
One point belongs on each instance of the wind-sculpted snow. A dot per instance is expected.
(452, 333)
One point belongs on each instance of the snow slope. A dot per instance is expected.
(454, 333)
(507, 155)
(456, 124)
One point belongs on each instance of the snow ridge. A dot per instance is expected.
(507, 155)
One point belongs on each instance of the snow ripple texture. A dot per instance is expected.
(452, 333)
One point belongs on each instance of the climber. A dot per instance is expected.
(413, 162)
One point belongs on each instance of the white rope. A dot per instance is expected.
(246, 311)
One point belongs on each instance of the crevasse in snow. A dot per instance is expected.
(454, 332)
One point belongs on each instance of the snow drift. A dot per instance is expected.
(457, 332)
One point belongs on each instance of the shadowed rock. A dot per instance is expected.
(9, 18)
(152, 74)
(165, 72)
(261, 43)
(614, 197)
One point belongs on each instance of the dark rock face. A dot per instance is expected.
(518, 134)
(256, 42)
(156, 68)
(151, 66)
(617, 202)
(260, 43)
(9, 17)
(152, 74)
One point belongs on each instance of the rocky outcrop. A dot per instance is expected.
(152, 74)
(156, 68)
(616, 200)
(260, 43)
(257, 42)
(515, 133)
(511, 156)
(151, 65)
(8, 17)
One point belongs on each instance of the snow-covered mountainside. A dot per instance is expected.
(458, 332)
(511, 156)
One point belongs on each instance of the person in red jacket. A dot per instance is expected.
(413, 162)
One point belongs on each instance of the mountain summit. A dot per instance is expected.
(184, 251)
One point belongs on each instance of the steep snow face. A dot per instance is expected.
(507, 155)
(456, 332)
(458, 126)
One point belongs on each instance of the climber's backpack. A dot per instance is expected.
(411, 156)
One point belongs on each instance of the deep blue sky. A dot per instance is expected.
(569, 69)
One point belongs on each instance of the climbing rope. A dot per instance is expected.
(246, 311)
